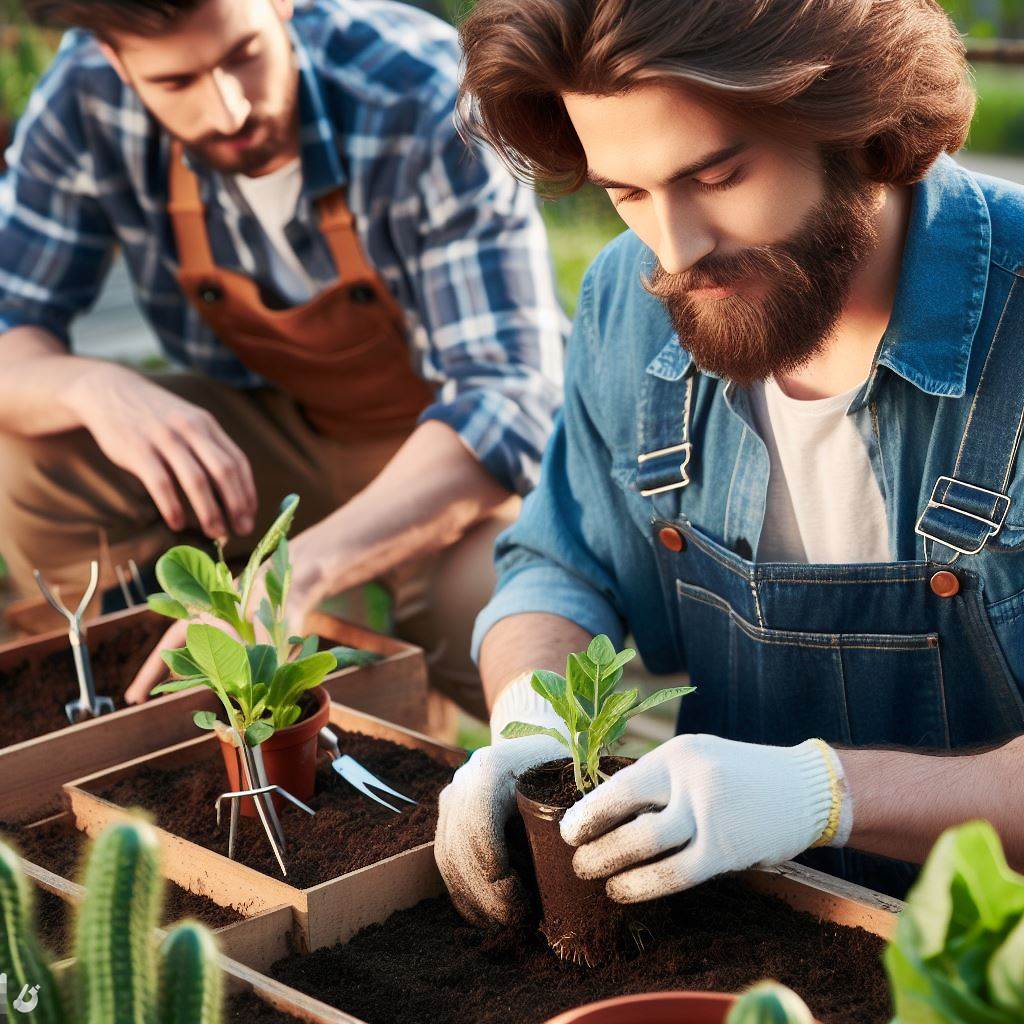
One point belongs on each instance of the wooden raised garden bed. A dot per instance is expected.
(346, 865)
(39, 673)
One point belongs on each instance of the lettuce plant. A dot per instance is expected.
(258, 684)
(958, 953)
(768, 1002)
(594, 712)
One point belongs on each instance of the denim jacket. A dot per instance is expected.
(584, 547)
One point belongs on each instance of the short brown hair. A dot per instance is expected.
(141, 17)
(884, 81)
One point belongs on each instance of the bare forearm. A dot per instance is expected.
(422, 501)
(529, 641)
(902, 801)
(37, 373)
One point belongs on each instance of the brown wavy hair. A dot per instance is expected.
(142, 17)
(882, 82)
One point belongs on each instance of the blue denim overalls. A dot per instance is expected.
(899, 654)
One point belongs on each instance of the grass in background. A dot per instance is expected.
(998, 125)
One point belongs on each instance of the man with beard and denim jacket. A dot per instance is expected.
(787, 462)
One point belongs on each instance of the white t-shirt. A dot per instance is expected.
(273, 198)
(824, 504)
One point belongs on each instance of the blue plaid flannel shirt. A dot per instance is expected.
(459, 242)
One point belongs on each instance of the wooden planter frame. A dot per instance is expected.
(326, 913)
(33, 771)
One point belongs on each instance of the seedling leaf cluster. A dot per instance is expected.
(594, 712)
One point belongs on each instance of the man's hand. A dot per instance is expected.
(163, 439)
(700, 805)
(470, 843)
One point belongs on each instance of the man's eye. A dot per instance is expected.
(177, 84)
(629, 197)
(718, 186)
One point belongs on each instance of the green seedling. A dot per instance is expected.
(258, 684)
(768, 1002)
(594, 712)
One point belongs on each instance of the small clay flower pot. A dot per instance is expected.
(289, 756)
(579, 921)
(653, 1008)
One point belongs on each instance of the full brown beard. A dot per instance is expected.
(802, 285)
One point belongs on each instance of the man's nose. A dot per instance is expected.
(684, 238)
(231, 108)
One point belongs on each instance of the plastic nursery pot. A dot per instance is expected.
(579, 921)
(653, 1008)
(289, 756)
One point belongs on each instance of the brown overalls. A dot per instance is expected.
(344, 397)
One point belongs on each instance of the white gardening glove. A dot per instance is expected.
(474, 807)
(727, 805)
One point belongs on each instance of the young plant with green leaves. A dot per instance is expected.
(258, 684)
(594, 712)
(958, 953)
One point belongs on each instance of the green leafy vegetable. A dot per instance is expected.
(958, 953)
(768, 1002)
(594, 713)
(259, 685)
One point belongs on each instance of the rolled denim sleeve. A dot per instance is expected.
(559, 558)
(56, 243)
(486, 320)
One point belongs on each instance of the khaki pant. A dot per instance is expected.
(63, 503)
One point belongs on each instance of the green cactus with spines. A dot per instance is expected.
(21, 958)
(116, 972)
(768, 1002)
(191, 986)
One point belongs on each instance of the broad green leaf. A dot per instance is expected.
(292, 679)
(275, 587)
(287, 716)
(262, 666)
(347, 657)
(659, 698)
(205, 719)
(176, 685)
(554, 689)
(1006, 972)
(517, 730)
(180, 662)
(614, 709)
(265, 614)
(610, 678)
(222, 659)
(188, 575)
(308, 646)
(257, 733)
(164, 604)
(601, 651)
(615, 733)
(225, 606)
(278, 529)
(623, 658)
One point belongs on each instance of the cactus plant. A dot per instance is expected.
(770, 1003)
(117, 978)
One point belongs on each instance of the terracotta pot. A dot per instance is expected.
(579, 921)
(290, 756)
(653, 1008)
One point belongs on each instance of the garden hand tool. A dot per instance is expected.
(476, 805)
(126, 580)
(718, 805)
(355, 774)
(87, 704)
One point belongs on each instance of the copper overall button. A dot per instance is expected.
(210, 292)
(361, 294)
(945, 584)
(672, 539)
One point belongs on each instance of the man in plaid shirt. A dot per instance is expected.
(360, 307)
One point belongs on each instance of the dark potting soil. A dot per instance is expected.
(34, 695)
(426, 965)
(579, 920)
(247, 1008)
(60, 849)
(53, 923)
(349, 831)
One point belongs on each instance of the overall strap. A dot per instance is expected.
(968, 507)
(185, 208)
(339, 228)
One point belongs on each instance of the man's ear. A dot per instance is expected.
(115, 62)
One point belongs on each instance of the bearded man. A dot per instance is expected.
(787, 461)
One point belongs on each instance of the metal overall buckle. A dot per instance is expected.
(992, 525)
(660, 476)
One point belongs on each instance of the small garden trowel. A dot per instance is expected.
(355, 774)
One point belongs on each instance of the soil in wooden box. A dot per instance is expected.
(38, 692)
(54, 920)
(247, 1008)
(437, 969)
(60, 849)
(349, 831)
